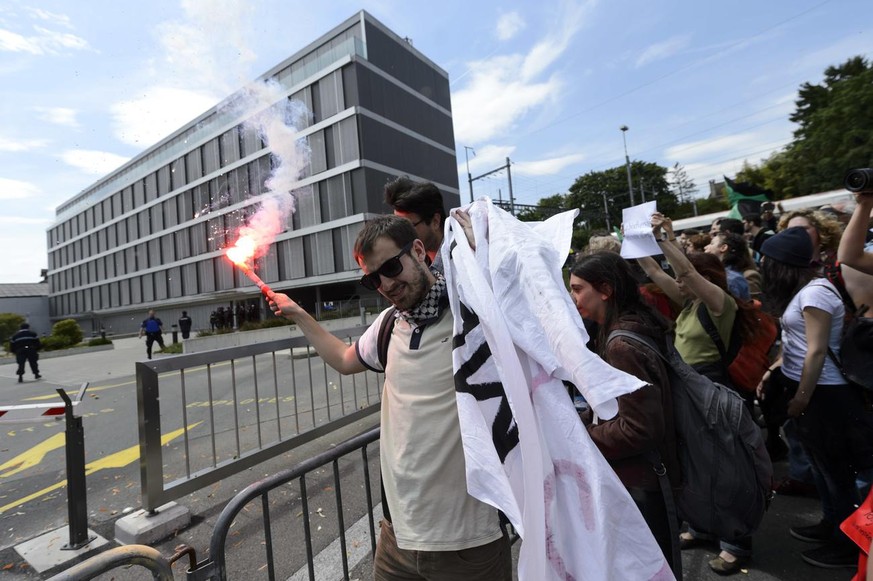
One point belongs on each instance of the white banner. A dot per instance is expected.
(517, 336)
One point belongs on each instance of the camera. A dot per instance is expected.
(859, 181)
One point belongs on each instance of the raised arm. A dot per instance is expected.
(664, 281)
(851, 251)
(332, 349)
(711, 295)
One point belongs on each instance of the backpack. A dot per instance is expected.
(746, 361)
(727, 475)
(856, 346)
(384, 336)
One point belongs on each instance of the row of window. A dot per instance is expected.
(321, 253)
(333, 146)
(331, 199)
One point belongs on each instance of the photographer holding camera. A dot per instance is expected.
(851, 252)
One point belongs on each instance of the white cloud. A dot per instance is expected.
(662, 50)
(93, 162)
(549, 166)
(44, 42)
(17, 189)
(505, 88)
(157, 113)
(508, 25)
(58, 115)
(13, 145)
(60, 19)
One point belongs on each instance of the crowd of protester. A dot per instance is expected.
(801, 270)
(707, 290)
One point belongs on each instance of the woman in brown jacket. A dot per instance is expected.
(642, 435)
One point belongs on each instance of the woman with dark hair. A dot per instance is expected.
(733, 251)
(701, 283)
(830, 415)
(642, 435)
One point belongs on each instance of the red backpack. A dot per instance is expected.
(748, 360)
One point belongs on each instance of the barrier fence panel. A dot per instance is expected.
(268, 516)
(125, 556)
(205, 416)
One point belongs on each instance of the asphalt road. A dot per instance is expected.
(33, 498)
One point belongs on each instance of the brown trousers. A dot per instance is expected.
(489, 562)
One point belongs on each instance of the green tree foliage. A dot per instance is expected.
(9, 324)
(545, 208)
(587, 192)
(834, 134)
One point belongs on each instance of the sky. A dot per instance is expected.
(86, 86)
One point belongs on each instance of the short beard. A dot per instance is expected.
(420, 284)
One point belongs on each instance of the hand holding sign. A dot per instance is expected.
(638, 223)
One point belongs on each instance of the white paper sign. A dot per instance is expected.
(637, 225)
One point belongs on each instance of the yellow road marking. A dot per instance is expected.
(33, 456)
(119, 459)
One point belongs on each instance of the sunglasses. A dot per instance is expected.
(390, 268)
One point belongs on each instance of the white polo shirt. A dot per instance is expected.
(423, 469)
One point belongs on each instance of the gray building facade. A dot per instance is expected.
(30, 300)
(152, 233)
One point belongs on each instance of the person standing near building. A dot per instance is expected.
(185, 325)
(433, 528)
(26, 345)
(153, 330)
(422, 204)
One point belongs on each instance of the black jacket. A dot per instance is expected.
(25, 340)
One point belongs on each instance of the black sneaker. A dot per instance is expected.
(822, 532)
(37, 376)
(841, 555)
(20, 379)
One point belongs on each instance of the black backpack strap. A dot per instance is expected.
(727, 355)
(831, 353)
(382, 340)
(384, 336)
(648, 342)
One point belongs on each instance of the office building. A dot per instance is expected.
(151, 234)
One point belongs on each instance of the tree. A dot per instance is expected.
(682, 185)
(9, 325)
(834, 134)
(545, 208)
(590, 191)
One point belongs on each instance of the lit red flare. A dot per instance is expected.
(240, 254)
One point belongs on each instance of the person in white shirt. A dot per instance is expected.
(433, 529)
(831, 417)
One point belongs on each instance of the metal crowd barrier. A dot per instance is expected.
(214, 568)
(127, 555)
(206, 416)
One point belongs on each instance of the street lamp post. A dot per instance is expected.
(630, 186)
(606, 212)
(469, 175)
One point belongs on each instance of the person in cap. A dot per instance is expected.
(829, 414)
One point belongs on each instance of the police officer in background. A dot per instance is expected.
(26, 344)
(152, 328)
(185, 325)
